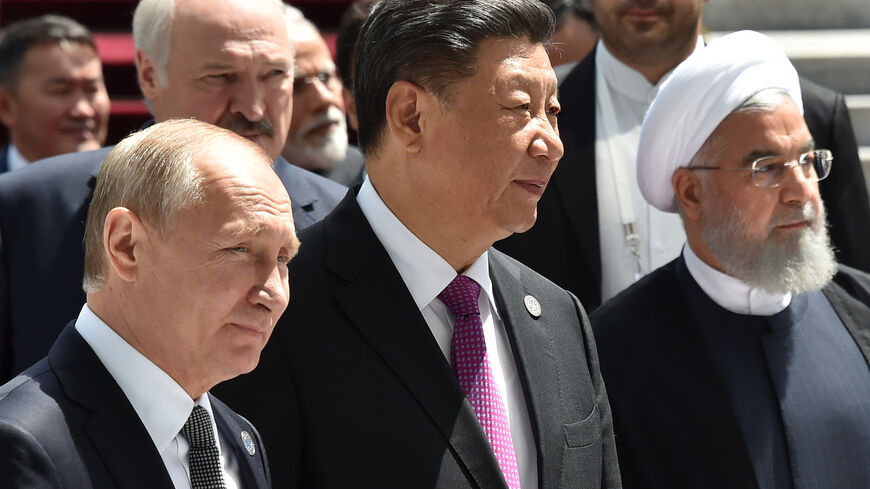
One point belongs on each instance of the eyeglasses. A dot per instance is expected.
(770, 171)
(326, 78)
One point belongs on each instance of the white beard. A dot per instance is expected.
(799, 262)
(327, 151)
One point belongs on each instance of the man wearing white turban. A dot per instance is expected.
(743, 363)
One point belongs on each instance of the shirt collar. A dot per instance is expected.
(161, 404)
(732, 293)
(626, 80)
(15, 159)
(424, 271)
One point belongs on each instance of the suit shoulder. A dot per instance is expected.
(52, 174)
(525, 274)
(644, 299)
(323, 186)
(813, 93)
(854, 282)
(33, 398)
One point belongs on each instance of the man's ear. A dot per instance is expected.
(149, 82)
(688, 191)
(123, 237)
(8, 108)
(403, 108)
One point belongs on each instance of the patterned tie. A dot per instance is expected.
(471, 365)
(205, 464)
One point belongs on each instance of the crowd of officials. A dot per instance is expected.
(490, 244)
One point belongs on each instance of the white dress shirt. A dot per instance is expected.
(14, 159)
(731, 293)
(162, 405)
(426, 274)
(661, 234)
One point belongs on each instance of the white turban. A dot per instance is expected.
(701, 92)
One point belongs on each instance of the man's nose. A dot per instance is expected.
(248, 100)
(796, 188)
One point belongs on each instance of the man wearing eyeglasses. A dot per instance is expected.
(317, 138)
(743, 363)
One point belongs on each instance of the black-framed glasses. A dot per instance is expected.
(770, 171)
(326, 78)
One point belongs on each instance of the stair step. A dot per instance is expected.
(786, 14)
(839, 59)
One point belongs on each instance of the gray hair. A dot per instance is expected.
(152, 173)
(152, 30)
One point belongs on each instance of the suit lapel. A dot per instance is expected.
(574, 178)
(118, 436)
(252, 469)
(534, 356)
(379, 305)
(302, 196)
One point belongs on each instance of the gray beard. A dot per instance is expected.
(798, 262)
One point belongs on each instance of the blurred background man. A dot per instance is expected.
(318, 137)
(52, 96)
(576, 34)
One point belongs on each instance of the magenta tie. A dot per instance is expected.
(471, 365)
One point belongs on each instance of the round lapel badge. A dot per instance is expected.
(249, 443)
(533, 306)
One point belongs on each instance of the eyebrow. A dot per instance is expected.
(763, 153)
(525, 83)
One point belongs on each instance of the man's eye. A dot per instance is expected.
(283, 259)
(766, 168)
(524, 107)
(555, 110)
(240, 249)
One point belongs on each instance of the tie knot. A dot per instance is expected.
(460, 296)
(197, 430)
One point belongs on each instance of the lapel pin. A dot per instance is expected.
(249, 443)
(532, 305)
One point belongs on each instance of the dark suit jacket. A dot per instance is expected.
(353, 390)
(563, 245)
(675, 427)
(4, 159)
(65, 423)
(42, 220)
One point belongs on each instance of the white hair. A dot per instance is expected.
(152, 28)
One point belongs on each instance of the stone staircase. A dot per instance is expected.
(827, 40)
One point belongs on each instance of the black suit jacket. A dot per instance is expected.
(353, 390)
(65, 423)
(564, 243)
(672, 413)
(42, 220)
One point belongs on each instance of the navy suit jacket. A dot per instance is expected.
(353, 391)
(42, 219)
(564, 243)
(4, 159)
(65, 423)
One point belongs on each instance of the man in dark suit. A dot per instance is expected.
(639, 46)
(52, 96)
(430, 360)
(743, 364)
(194, 72)
(187, 242)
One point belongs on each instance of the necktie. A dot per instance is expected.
(205, 464)
(471, 365)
